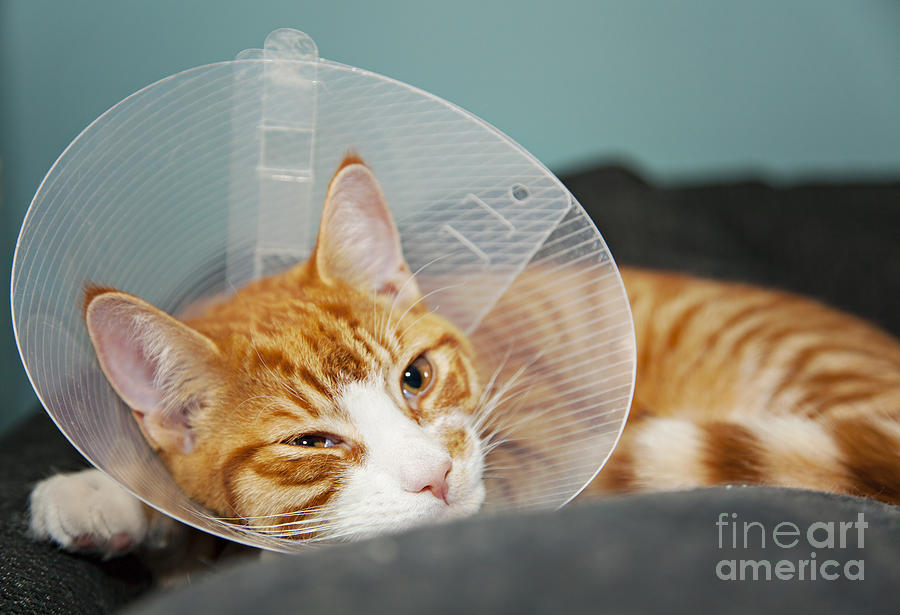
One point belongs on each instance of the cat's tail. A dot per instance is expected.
(858, 455)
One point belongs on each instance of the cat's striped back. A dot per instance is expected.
(737, 384)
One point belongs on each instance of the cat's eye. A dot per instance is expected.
(417, 377)
(314, 441)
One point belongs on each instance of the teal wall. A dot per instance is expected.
(788, 88)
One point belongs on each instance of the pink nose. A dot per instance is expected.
(435, 481)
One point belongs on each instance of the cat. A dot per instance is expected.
(329, 402)
(326, 401)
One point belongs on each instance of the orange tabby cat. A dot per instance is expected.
(327, 401)
(323, 402)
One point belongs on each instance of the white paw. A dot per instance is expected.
(87, 512)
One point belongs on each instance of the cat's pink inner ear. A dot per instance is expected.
(154, 362)
(121, 354)
(358, 242)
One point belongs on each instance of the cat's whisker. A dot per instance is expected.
(493, 379)
(321, 515)
(297, 527)
(487, 407)
(304, 524)
(303, 511)
(407, 281)
(411, 278)
(505, 430)
(503, 396)
(487, 421)
(320, 532)
(308, 526)
(283, 538)
(422, 299)
(498, 397)
(294, 527)
(494, 445)
(309, 534)
(286, 530)
(511, 404)
(522, 369)
(509, 426)
(492, 424)
(412, 324)
(254, 529)
(324, 515)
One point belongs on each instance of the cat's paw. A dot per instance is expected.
(87, 512)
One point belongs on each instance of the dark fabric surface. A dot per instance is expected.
(837, 243)
(642, 554)
(37, 577)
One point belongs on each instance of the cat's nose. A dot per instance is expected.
(434, 480)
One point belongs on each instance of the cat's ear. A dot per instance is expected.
(163, 369)
(358, 242)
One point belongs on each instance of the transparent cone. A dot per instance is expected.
(215, 176)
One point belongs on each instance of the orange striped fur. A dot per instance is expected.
(737, 384)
